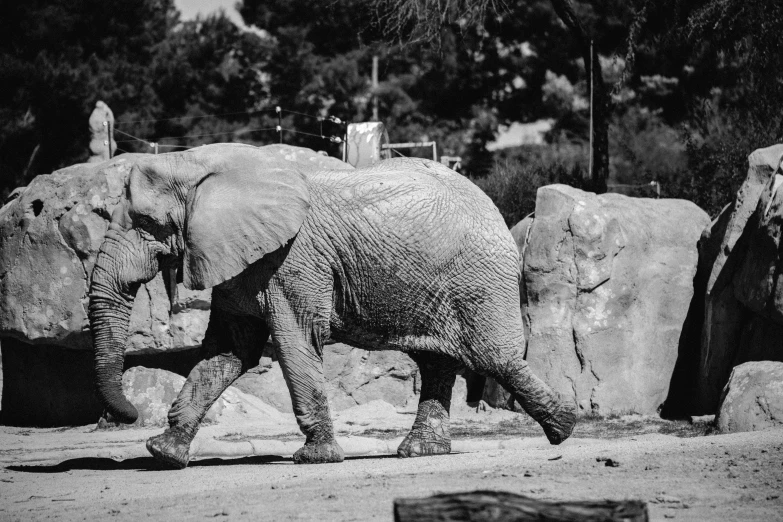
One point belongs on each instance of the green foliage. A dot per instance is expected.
(644, 148)
(704, 91)
(719, 142)
(58, 58)
(728, 58)
(513, 182)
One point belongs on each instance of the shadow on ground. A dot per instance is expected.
(150, 464)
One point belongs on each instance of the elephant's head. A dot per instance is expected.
(212, 211)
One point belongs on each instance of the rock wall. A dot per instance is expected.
(608, 281)
(49, 238)
(741, 298)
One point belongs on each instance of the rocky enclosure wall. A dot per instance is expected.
(740, 290)
(607, 298)
(49, 237)
(608, 281)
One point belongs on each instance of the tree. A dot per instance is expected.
(425, 19)
(57, 58)
(729, 60)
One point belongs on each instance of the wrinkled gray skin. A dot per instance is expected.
(405, 255)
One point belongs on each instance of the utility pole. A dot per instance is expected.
(375, 88)
(592, 98)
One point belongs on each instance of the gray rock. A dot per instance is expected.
(152, 391)
(753, 398)
(49, 238)
(353, 377)
(608, 281)
(742, 315)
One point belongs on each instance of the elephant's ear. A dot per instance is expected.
(238, 215)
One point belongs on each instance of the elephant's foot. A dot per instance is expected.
(559, 425)
(429, 434)
(319, 453)
(171, 447)
(416, 445)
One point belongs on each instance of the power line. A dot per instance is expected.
(333, 119)
(136, 138)
(334, 139)
(237, 131)
(197, 117)
(278, 128)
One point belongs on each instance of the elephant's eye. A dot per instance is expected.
(143, 222)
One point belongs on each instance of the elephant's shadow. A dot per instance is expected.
(151, 464)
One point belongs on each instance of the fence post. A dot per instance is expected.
(279, 112)
(102, 144)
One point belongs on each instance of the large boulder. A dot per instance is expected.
(49, 238)
(753, 398)
(739, 291)
(607, 283)
(50, 234)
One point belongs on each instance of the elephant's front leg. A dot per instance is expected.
(430, 432)
(302, 365)
(232, 346)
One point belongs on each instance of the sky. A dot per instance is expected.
(190, 8)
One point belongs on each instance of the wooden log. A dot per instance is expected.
(486, 506)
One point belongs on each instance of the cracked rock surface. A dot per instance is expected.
(49, 237)
(742, 296)
(608, 281)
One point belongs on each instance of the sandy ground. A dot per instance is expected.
(82, 474)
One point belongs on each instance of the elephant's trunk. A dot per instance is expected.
(123, 263)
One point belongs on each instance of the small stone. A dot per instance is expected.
(608, 462)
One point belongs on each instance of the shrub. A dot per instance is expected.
(512, 184)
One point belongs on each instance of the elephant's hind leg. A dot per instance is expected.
(232, 345)
(430, 432)
(556, 416)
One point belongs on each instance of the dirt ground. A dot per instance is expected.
(83, 474)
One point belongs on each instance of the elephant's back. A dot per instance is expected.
(418, 228)
(422, 197)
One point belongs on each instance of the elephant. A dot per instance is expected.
(404, 255)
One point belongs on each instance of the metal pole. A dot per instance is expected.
(434, 151)
(374, 88)
(279, 112)
(110, 135)
(590, 167)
